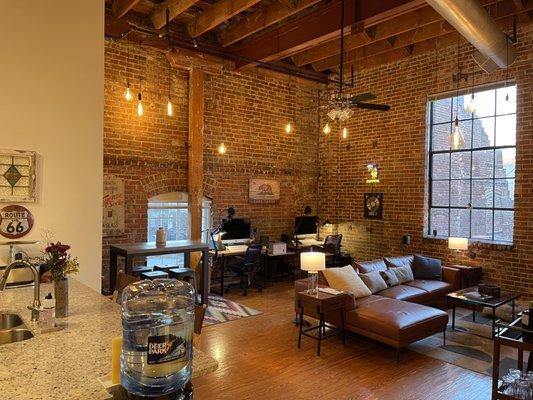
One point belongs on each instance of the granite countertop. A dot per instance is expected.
(67, 363)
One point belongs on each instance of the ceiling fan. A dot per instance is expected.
(341, 105)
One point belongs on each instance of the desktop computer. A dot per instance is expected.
(305, 227)
(237, 231)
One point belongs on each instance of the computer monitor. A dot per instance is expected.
(305, 226)
(238, 230)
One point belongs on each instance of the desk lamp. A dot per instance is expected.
(312, 262)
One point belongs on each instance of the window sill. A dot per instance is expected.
(475, 243)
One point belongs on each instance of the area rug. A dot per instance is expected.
(469, 346)
(221, 310)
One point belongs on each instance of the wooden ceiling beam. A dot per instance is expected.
(319, 26)
(523, 15)
(395, 26)
(121, 7)
(175, 7)
(216, 14)
(262, 18)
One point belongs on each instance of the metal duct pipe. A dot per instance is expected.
(472, 21)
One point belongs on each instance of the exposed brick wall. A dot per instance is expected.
(400, 135)
(246, 110)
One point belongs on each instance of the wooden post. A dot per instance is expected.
(195, 159)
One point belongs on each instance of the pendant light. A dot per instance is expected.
(344, 133)
(456, 138)
(471, 106)
(128, 96)
(170, 110)
(288, 126)
(222, 147)
(326, 129)
(140, 98)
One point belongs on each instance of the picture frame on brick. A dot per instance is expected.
(264, 191)
(373, 205)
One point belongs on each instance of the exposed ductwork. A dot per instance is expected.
(472, 21)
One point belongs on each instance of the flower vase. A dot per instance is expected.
(61, 296)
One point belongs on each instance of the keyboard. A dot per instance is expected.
(237, 248)
(310, 242)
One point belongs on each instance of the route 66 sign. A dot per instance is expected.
(15, 221)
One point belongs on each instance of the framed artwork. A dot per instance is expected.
(17, 176)
(114, 204)
(264, 191)
(373, 205)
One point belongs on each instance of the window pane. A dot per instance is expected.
(440, 193)
(459, 222)
(441, 166)
(483, 132)
(482, 163)
(503, 225)
(482, 224)
(442, 110)
(482, 193)
(466, 130)
(506, 130)
(504, 106)
(485, 103)
(439, 221)
(504, 193)
(505, 163)
(461, 165)
(460, 193)
(440, 137)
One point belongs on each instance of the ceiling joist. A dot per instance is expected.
(121, 7)
(175, 8)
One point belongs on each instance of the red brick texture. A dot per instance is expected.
(396, 140)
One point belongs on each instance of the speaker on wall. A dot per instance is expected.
(406, 240)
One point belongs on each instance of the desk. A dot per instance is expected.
(230, 251)
(145, 249)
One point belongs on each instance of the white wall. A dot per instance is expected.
(51, 102)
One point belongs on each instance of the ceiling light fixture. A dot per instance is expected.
(128, 94)
(456, 138)
(140, 97)
(344, 133)
(471, 106)
(326, 129)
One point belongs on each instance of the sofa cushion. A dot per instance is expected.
(405, 292)
(346, 280)
(399, 261)
(427, 268)
(373, 281)
(404, 274)
(431, 286)
(390, 278)
(369, 266)
(394, 319)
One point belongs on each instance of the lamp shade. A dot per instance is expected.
(457, 243)
(312, 261)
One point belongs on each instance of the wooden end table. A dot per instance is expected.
(469, 275)
(317, 306)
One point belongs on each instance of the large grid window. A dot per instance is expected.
(471, 189)
(170, 210)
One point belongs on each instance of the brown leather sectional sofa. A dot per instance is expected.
(398, 315)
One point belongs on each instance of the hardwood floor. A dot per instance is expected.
(258, 359)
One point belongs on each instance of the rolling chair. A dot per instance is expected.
(332, 245)
(246, 267)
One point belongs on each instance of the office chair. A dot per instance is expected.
(246, 267)
(332, 244)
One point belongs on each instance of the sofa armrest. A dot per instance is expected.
(452, 276)
(301, 284)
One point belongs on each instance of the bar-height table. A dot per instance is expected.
(145, 249)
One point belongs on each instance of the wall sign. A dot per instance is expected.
(373, 205)
(264, 191)
(17, 176)
(114, 200)
(15, 221)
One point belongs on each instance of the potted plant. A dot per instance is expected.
(60, 264)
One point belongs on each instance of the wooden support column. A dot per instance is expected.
(195, 159)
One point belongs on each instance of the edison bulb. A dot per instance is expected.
(288, 128)
(140, 108)
(457, 140)
(471, 106)
(221, 148)
(128, 94)
(344, 133)
(169, 108)
(326, 129)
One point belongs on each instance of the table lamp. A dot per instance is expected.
(457, 243)
(312, 262)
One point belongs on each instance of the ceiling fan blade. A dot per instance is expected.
(362, 97)
(371, 106)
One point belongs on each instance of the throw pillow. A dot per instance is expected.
(404, 274)
(346, 280)
(374, 281)
(399, 261)
(369, 266)
(390, 278)
(428, 268)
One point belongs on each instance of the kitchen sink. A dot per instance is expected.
(8, 321)
(14, 335)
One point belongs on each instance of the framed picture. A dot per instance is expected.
(17, 176)
(264, 191)
(114, 205)
(373, 205)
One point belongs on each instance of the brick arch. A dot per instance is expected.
(162, 182)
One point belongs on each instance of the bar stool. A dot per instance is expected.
(154, 275)
(164, 268)
(181, 273)
(139, 269)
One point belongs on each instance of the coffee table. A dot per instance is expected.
(492, 303)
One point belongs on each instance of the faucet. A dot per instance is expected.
(36, 288)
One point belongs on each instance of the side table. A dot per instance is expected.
(470, 276)
(317, 306)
